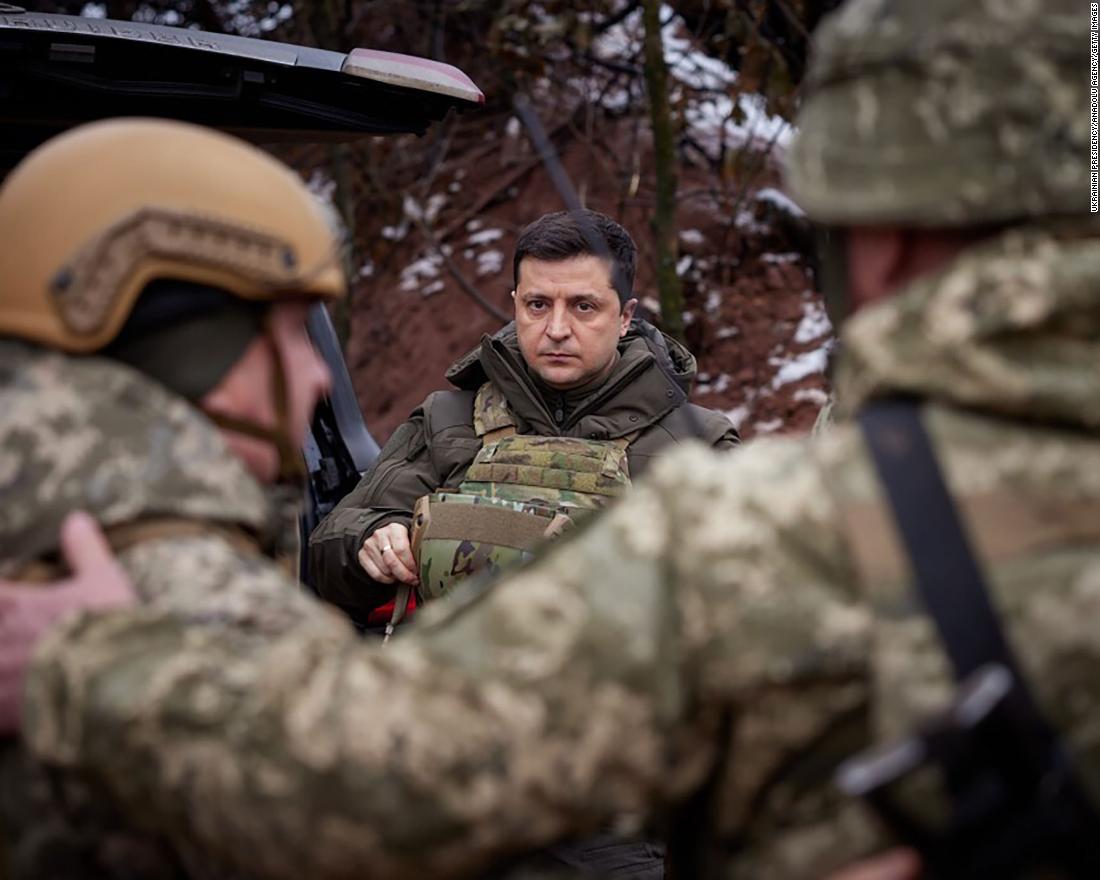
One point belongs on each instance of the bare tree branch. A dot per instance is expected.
(464, 283)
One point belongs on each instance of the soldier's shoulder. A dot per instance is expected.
(215, 574)
(762, 465)
(776, 496)
(87, 433)
(448, 409)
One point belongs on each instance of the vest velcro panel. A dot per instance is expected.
(561, 464)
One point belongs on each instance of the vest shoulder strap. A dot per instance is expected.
(493, 418)
(624, 442)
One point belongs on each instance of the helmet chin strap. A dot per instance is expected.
(292, 467)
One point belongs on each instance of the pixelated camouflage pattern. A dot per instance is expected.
(86, 432)
(162, 458)
(944, 113)
(590, 685)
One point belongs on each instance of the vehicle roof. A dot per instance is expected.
(57, 71)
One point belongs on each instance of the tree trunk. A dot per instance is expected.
(670, 292)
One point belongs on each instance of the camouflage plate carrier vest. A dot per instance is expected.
(519, 491)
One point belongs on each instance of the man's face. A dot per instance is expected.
(307, 376)
(246, 391)
(568, 319)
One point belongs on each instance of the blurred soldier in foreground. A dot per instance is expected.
(154, 371)
(27, 611)
(721, 639)
(549, 418)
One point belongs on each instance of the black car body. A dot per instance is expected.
(57, 71)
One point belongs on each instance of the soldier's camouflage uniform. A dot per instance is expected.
(768, 584)
(743, 619)
(92, 434)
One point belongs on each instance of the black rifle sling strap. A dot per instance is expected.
(946, 573)
(954, 593)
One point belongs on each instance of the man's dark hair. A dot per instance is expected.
(566, 234)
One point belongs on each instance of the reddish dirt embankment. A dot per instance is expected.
(754, 320)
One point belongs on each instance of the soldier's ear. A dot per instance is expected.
(626, 316)
(876, 257)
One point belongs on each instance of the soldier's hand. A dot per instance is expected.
(386, 556)
(895, 864)
(27, 611)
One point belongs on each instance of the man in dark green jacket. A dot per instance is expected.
(575, 363)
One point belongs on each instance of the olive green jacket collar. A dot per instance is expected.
(652, 377)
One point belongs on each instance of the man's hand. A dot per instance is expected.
(895, 864)
(386, 556)
(27, 611)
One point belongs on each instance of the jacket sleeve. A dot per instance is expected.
(588, 686)
(387, 493)
(715, 428)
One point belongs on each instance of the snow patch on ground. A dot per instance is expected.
(395, 233)
(417, 272)
(728, 333)
(799, 367)
(789, 257)
(814, 324)
(691, 236)
(718, 386)
(242, 18)
(710, 113)
(486, 236)
(768, 427)
(682, 265)
(435, 287)
(321, 185)
(737, 415)
(490, 262)
(713, 303)
(781, 200)
(624, 40)
(711, 116)
(414, 210)
(746, 221)
(811, 395)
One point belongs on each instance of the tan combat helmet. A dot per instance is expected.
(92, 218)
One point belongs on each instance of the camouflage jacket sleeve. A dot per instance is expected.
(589, 685)
(387, 493)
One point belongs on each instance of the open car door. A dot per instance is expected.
(57, 71)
